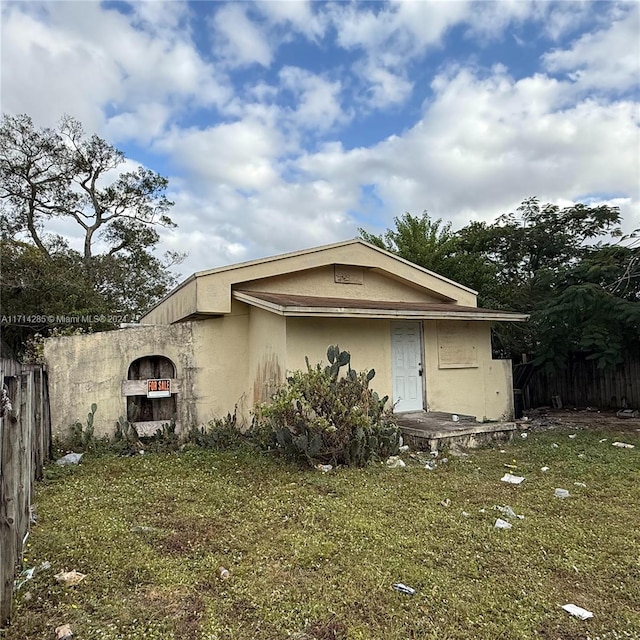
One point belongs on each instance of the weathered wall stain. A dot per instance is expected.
(268, 376)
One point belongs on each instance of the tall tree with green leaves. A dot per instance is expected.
(62, 178)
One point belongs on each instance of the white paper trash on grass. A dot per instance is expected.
(623, 445)
(577, 612)
(502, 524)
(561, 493)
(511, 479)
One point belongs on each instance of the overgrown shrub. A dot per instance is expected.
(324, 417)
(82, 438)
(165, 439)
(126, 440)
(221, 433)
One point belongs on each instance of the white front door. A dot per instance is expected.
(406, 366)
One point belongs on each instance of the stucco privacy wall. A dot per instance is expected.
(465, 380)
(367, 340)
(90, 368)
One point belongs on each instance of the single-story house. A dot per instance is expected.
(226, 337)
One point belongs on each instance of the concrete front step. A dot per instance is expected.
(465, 438)
(425, 431)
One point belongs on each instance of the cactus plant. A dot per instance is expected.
(321, 416)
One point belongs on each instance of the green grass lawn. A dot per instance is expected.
(314, 555)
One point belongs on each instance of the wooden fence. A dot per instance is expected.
(25, 445)
(582, 384)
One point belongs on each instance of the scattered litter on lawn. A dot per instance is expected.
(404, 448)
(555, 445)
(142, 529)
(466, 514)
(64, 632)
(503, 451)
(511, 479)
(446, 502)
(580, 484)
(602, 440)
(28, 574)
(403, 588)
(325, 468)
(483, 510)
(224, 573)
(577, 612)
(502, 524)
(511, 466)
(430, 466)
(524, 436)
(561, 493)
(573, 435)
(70, 578)
(623, 445)
(508, 512)
(394, 462)
(70, 458)
(544, 469)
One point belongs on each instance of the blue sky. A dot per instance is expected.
(287, 124)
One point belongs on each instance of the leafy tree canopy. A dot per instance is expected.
(582, 293)
(55, 177)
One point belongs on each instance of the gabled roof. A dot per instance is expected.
(209, 292)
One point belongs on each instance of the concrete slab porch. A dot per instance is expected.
(434, 430)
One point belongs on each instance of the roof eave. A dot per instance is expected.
(342, 312)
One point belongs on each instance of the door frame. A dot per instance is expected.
(421, 363)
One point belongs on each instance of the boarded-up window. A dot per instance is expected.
(456, 346)
(143, 409)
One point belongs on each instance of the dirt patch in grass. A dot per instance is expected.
(332, 629)
(184, 609)
(550, 630)
(189, 534)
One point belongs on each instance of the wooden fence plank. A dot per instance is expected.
(9, 507)
(25, 444)
(582, 384)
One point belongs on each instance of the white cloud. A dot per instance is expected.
(490, 20)
(241, 154)
(237, 39)
(317, 99)
(80, 58)
(386, 88)
(483, 145)
(295, 14)
(608, 59)
(143, 124)
(391, 36)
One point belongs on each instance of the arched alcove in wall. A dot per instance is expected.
(142, 408)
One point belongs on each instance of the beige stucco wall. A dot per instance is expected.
(368, 341)
(483, 390)
(267, 354)
(91, 368)
(322, 282)
(221, 358)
